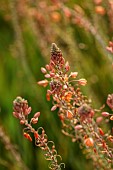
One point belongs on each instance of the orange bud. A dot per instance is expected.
(56, 17)
(26, 135)
(100, 10)
(89, 142)
(111, 118)
(101, 132)
(48, 96)
(69, 114)
(36, 135)
(61, 116)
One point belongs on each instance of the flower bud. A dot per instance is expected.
(105, 114)
(43, 83)
(101, 132)
(36, 135)
(26, 135)
(82, 81)
(37, 114)
(22, 122)
(43, 70)
(48, 67)
(69, 114)
(47, 76)
(89, 142)
(78, 127)
(54, 108)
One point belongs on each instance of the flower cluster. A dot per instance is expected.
(75, 110)
(21, 112)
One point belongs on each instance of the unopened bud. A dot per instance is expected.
(54, 108)
(48, 67)
(22, 122)
(37, 114)
(82, 81)
(89, 142)
(47, 76)
(43, 70)
(43, 83)
(105, 114)
(78, 127)
(101, 132)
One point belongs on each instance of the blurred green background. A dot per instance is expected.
(82, 30)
